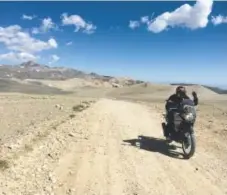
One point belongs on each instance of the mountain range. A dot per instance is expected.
(32, 70)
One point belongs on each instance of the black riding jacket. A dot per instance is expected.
(176, 100)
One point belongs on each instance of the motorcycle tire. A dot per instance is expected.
(192, 144)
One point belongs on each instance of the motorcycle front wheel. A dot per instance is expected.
(189, 145)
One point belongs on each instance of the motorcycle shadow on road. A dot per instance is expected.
(155, 145)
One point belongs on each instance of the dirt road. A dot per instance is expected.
(98, 153)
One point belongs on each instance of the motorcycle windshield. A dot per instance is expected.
(188, 106)
(188, 102)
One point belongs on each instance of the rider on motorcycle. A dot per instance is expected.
(174, 101)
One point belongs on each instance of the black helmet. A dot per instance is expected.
(181, 91)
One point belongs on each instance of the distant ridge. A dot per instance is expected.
(217, 89)
(184, 84)
(214, 89)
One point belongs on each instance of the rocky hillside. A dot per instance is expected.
(33, 70)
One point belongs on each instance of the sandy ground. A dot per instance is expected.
(21, 112)
(112, 147)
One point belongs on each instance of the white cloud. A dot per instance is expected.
(144, 19)
(47, 24)
(27, 17)
(15, 39)
(35, 31)
(52, 43)
(21, 45)
(69, 43)
(54, 58)
(78, 22)
(192, 17)
(133, 24)
(18, 57)
(73, 20)
(89, 29)
(216, 20)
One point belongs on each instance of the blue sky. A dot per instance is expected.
(174, 42)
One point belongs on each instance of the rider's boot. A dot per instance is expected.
(168, 137)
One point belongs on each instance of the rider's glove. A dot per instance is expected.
(194, 94)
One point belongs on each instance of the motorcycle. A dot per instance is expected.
(181, 127)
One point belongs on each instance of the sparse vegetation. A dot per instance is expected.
(56, 132)
(82, 106)
(72, 115)
(45, 126)
(28, 148)
(78, 108)
(4, 164)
